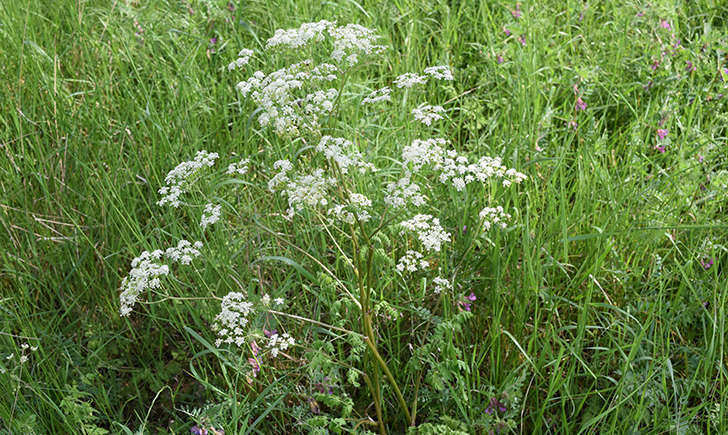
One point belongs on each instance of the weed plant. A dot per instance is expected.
(389, 217)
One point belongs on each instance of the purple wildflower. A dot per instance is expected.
(213, 41)
(655, 65)
(465, 229)
(662, 133)
(499, 59)
(700, 158)
(471, 297)
(573, 124)
(270, 333)
(517, 13)
(689, 66)
(580, 104)
(494, 405)
(522, 39)
(665, 24)
(660, 148)
(254, 348)
(195, 430)
(254, 365)
(707, 264)
(724, 75)
(640, 14)
(506, 31)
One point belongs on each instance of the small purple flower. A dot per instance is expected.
(254, 365)
(499, 59)
(506, 31)
(660, 148)
(195, 430)
(655, 65)
(573, 124)
(213, 41)
(495, 404)
(707, 264)
(662, 133)
(665, 24)
(522, 40)
(517, 13)
(270, 333)
(580, 104)
(640, 14)
(700, 158)
(471, 297)
(465, 306)
(254, 348)
(689, 67)
(465, 229)
(724, 75)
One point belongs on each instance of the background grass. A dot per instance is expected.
(595, 308)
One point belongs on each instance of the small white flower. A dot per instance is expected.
(426, 113)
(240, 168)
(242, 60)
(210, 215)
(402, 192)
(494, 216)
(441, 284)
(408, 80)
(265, 299)
(178, 179)
(412, 262)
(382, 94)
(428, 231)
(279, 301)
(440, 72)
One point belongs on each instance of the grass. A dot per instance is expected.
(595, 312)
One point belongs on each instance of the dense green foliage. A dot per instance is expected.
(601, 308)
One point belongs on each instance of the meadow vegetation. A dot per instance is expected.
(363, 216)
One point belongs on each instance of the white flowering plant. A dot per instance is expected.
(381, 203)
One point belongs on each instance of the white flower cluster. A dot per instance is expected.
(455, 168)
(441, 285)
(424, 152)
(428, 230)
(307, 190)
(354, 40)
(493, 216)
(178, 178)
(240, 168)
(210, 215)
(242, 60)
(147, 268)
(402, 192)
(298, 38)
(358, 204)
(275, 95)
(184, 252)
(426, 113)
(25, 350)
(233, 318)
(439, 72)
(349, 41)
(339, 150)
(144, 274)
(412, 261)
(278, 343)
(283, 166)
(382, 94)
(408, 80)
